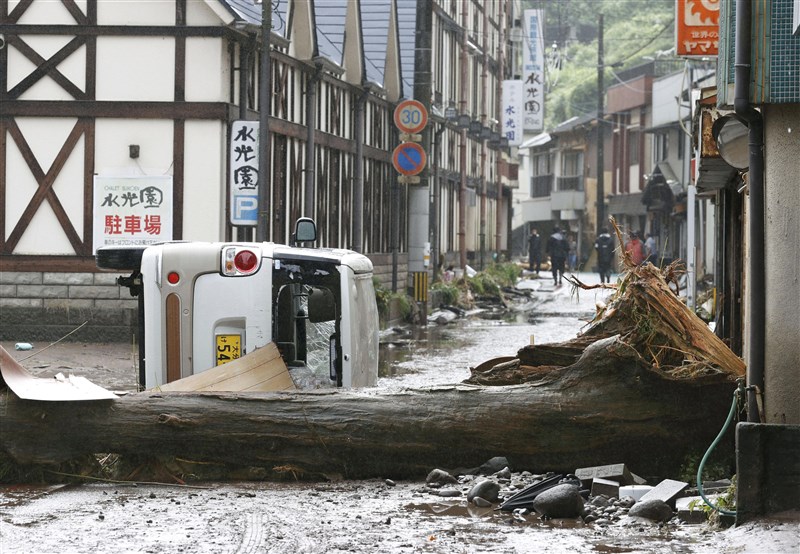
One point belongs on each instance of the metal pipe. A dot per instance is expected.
(358, 184)
(601, 192)
(501, 60)
(756, 291)
(484, 121)
(462, 147)
(311, 124)
(264, 108)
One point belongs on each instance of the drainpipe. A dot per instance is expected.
(498, 110)
(358, 188)
(311, 124)
(437, 191)
(484, 122)
(462, 147)
(756, 292)
(264, 109)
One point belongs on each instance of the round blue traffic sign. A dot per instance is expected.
(409, 158)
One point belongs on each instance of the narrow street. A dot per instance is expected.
(377, 515)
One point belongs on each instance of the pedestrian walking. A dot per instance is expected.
(572, 260)
(558, 250)
(534, 251)
(605, 255)
(650, 249)
(635, 248)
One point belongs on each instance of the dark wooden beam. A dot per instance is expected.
(117, 109)
(17, 262)
(121, 30)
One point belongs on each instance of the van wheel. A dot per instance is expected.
(121, 257)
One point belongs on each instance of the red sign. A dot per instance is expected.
(409, 158)
(410, 116)
(697, 28)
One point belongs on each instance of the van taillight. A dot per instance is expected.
(237, 260)
(245, 261)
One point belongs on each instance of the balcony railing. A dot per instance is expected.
(541, 185)
(574, 182)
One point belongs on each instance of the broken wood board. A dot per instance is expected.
(262, 370)
(59, 388)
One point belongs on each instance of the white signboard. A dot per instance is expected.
(131, 211)
(512, 112)
(533, 71)
(244, 173)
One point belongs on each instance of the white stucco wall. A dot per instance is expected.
(204, 180)
(782, 219)
(44, 137)
(130, 68)
(207, 70)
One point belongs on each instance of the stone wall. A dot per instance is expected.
(46, 306)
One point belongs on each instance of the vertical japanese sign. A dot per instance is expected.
(512, 111)
(533, 71)
(697, 28)
(244, 173)
(130, 211)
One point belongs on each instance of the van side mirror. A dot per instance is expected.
(305, 230)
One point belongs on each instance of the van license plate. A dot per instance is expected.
(229, 348)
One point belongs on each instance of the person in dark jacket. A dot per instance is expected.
(534, 251)
(605, 255)
(557, 249)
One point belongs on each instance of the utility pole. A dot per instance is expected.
(601, 193)
(264, 100)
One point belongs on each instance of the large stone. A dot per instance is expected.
(486, 489)
(438, 477)
(498, 463)
(654, 510)
(561, 501)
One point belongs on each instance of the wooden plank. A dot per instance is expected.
(261, 371)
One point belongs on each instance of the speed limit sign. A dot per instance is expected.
(410, 116)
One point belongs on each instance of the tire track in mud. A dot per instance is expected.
(253, 534)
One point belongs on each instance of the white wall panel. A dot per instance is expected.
(136, 12)
(140, 69)
(207, 74)
(204, 180)
(112, 137)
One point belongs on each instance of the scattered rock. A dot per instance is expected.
(449, 493)
(488, 490)
(561, 501)
(498, 463)
(504, 473)
(439, 477)
(654, 510)
(481, 502)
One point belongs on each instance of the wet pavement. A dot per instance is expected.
(345, 516)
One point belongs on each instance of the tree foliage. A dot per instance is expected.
(634, 31)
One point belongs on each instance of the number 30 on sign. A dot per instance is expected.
(410, 116)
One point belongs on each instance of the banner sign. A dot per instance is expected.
(244, 173)
(697, 28)
(533, 71)
(132, 211)
(512, 112)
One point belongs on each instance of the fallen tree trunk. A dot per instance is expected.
(597, 411)
(646, 384)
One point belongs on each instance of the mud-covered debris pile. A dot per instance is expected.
(651, 328)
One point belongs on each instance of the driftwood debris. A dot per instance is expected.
(646, 383)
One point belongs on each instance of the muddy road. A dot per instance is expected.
(377, 515)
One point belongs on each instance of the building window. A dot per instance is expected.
(660, 147)
(633, 148)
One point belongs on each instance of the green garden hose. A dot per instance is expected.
(731, 414)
